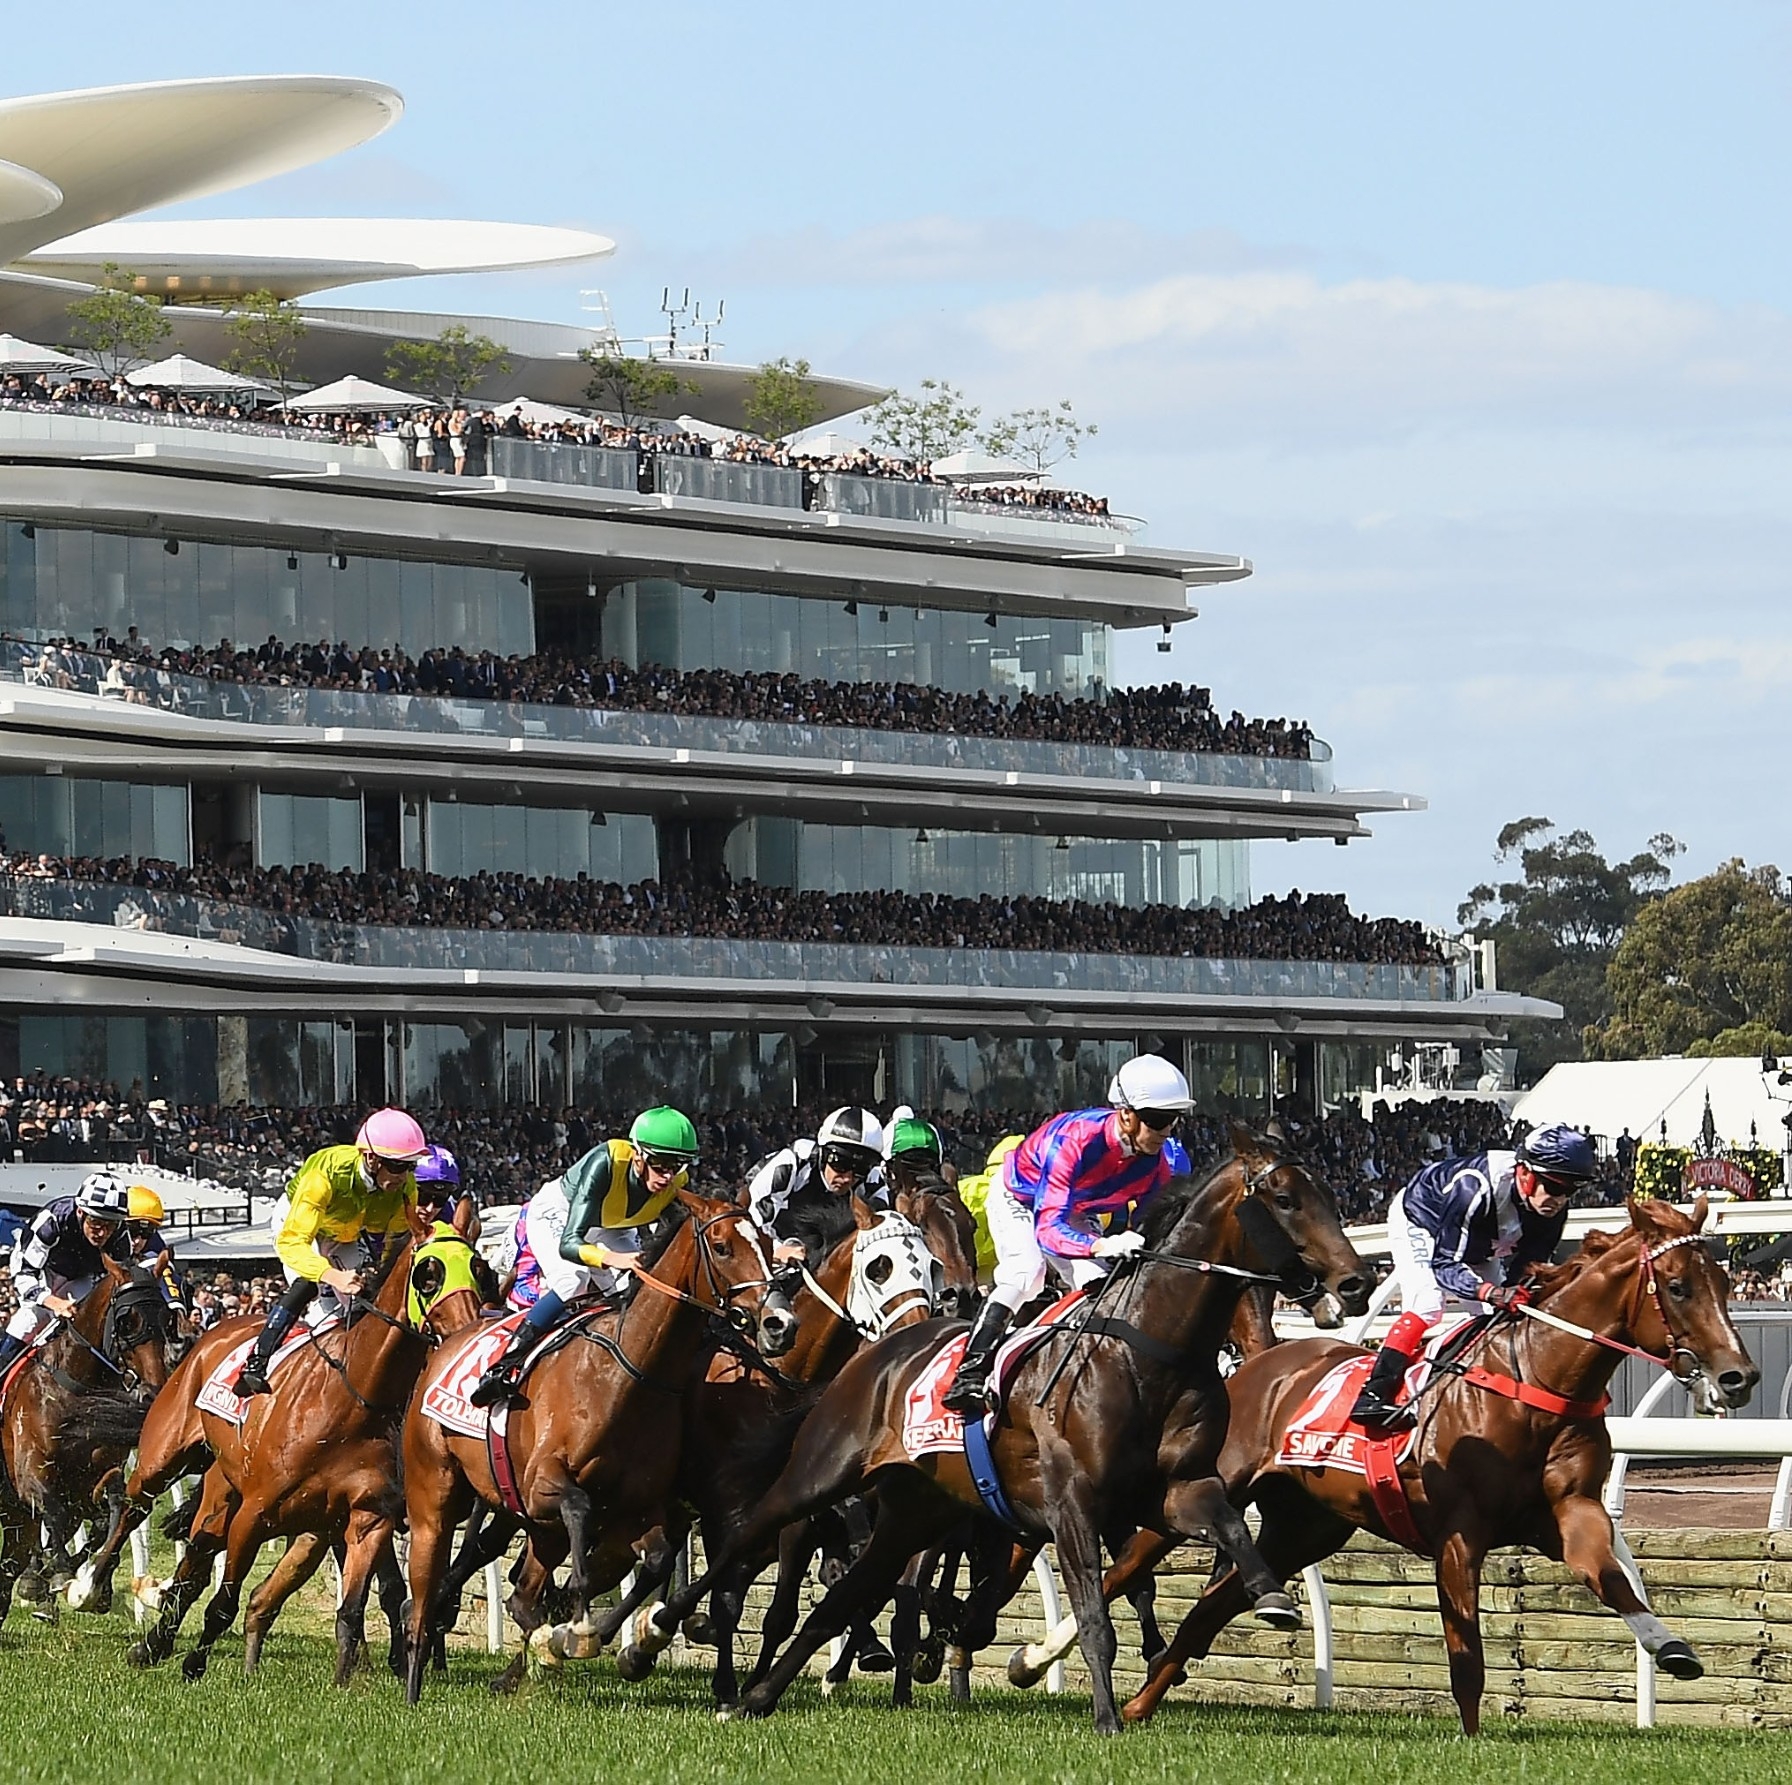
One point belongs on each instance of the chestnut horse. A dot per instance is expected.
(314, 1462)
(1487, 1468)
(595, 1441)
(1080, 1448)
(73, 1415)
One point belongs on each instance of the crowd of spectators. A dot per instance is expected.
(1169, 717)
(453, 439)
(1298, 927)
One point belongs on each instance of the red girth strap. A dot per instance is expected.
(1389, 1496)
(1540, 1398)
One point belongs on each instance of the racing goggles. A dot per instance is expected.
(1159, 1121)
(671, 1163)
(857, 1162)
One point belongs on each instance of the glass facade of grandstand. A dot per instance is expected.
(492, 1064)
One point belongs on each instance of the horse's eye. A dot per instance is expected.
(878, 1270)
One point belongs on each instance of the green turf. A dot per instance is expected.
(75, 1711)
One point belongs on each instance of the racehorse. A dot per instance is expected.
(595, 1442)
(876, 1278)
(314, 1462)
(1511, 1445)
(919, 1194)
(1080, 1448)
(73, 1414)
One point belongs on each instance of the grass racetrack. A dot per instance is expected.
(77, 1712)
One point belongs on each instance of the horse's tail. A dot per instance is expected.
(102, 1421)
(178, 1525)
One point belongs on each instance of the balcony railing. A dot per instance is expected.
(706, 959)
(202, 697)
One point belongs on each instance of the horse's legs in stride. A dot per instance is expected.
(290, 1573)
(242, 1544)
(1583, 1530)
(1459, 1599)
(895, 1537)
(1070, 1508)
(1296, 1533)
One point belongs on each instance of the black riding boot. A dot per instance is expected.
(969, 1393)
(252, 1379)
(1376, 1406)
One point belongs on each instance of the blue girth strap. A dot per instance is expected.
(982, 1465)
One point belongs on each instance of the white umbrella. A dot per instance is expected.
(979, 467)
(549, 415)
(352, 393)
(27, 356)
(182, 373)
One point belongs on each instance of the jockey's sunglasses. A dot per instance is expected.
(666, 1162)
(1159, 1121)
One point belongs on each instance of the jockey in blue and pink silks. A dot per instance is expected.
(1047, 1203)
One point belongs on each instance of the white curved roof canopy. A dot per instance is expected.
(293, 256)
(112, 151)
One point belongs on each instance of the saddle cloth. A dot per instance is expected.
(219, 1395)
(1322, 1435)
(928, 1426)
(445, 1400)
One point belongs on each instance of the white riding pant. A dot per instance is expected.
(339, 1255)
(32, 1316)
(1021, 1264)
(1412, 1247)
(545, 1222)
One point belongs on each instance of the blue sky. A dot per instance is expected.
(1473, 330)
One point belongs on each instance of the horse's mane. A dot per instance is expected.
(1553, 1278)
(1179, 1197)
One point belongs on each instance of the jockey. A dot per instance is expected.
(339, 1195)
(149, 1246)
(1055, 1187)
(62, 1254)
(581, 1231)
(1498, 1211)
(790, 1188)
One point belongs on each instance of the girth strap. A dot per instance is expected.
(1543, 1399)
(1389, 1494)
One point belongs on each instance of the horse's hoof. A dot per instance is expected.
(139, 1655)
(1677, 1658)
(192, 1666)
(1278, 1611)
(1021, 1672)
(633, 1663)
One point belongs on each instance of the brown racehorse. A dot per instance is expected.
(74, 1413)
(877, 1278)
(1081, 1447)
(1487, 1469)
(314, 1462)
(595, 1440)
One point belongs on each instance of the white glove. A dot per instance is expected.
(1117, 1245)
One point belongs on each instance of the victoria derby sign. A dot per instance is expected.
(1719, 1174)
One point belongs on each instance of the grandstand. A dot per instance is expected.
(238, 654)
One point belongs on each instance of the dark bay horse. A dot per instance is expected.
(1486, 1468)
(73, 1415)
(1081, 1447)
(595, 1442)
(314, 1462)
(877, 1278)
